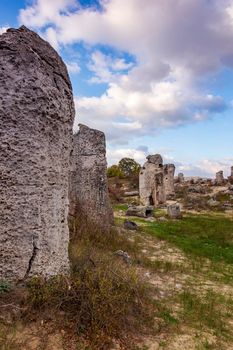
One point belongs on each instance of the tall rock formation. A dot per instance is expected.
(230, 178)
(219, 179)
(36, 117)
(151, 181)
(169, 172)
(89, 198)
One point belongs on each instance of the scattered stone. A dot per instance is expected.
(88, 179)
(212, 202)
(126, 257)
(37, 112)
(162, 218)
(140, 211)
(173, 211)
(131, 194)
(130, 225)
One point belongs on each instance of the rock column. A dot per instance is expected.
(89, 196)
(36, 117)
(219, 179)
(169, 171)
(151, 181)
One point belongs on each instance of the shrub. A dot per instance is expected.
(4, 286)
(103, 300)
(115, 171)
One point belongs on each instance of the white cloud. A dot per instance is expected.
(3, 29)
(73, 67)
(176, 45)
(106, 68)
(114, 156)
(206, 167)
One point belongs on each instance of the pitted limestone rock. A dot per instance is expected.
(88, 179)
(219, 179)
(169, 172)
(230, 178)
(151, 181)
(36, 117)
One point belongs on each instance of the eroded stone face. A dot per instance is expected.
(151, 181)
(180, 177)
(88, 180)
(219, 180)
(169, 172)
(230, 178)
(36, 117)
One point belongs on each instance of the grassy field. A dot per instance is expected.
(190, 262)
(176, 294)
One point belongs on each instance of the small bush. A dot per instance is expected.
(4, 286)
(102, 299)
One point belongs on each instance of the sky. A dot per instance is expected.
(155, 76)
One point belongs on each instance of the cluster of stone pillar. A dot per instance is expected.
(36, 120)
(156, 181)
(220, 180)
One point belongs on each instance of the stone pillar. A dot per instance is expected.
(230, 178)
(36, 117)
(89, 196)
(169, 172)
(151, 181)
(180, 177)
(219, 179)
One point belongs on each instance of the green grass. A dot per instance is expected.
(204, 236)
(209, 310)
(122, 207)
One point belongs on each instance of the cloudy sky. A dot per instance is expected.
(155, 75)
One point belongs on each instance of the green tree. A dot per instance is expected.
(129, 167)
(114, 171)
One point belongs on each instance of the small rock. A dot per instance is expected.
(130, 225)
(140, 211)
(162, 218)
(173, 211)
(124, 255)
(212, 203)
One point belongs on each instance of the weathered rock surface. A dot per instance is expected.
(151, 181)
(140, 211)
(230, 178)
(180, 177)
(88, 179)
(130, 225)
(169, 171)
(36, 117)
(173, 211)
(219, 179)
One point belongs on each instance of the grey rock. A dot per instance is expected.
(169, 171)
(151, 181)
(36, 117)
(140, 211)
(162, 218)
(131, 193)
(212, 202)
(88, 179)
(219, 179)
(125, 256)
(173, 211)
(180, 177)
(130, 225)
